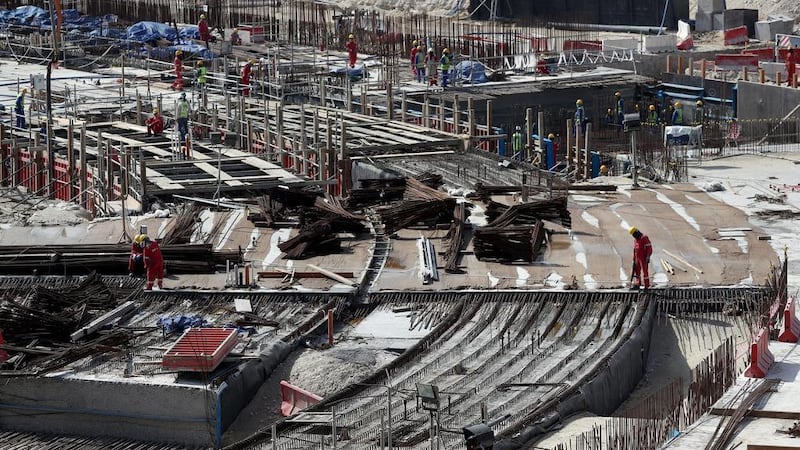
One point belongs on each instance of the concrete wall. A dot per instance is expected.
(765, 101)
(155, 413)
(613, 12)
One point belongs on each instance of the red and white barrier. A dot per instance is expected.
(735, 36)
(760, 357)
(791, 325)
(295, 399)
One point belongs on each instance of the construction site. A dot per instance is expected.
(274, 225)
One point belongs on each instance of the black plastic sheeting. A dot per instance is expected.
(605, 391)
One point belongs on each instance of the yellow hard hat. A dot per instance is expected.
(603, 169)
(419, 47)
(617, 94)
(579, 102)
(202, 17)
(699, 103)
(179, 52)
(155, 111)
(414, 43)
(652, 107)
(447, 50)
(24, 90)
(235, 30)
(251, 62)
(632, 230)
(199, 63)
(678, 105)
(139, 237)
(551, 136)
(351, 37)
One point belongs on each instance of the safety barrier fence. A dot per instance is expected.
(791, 325)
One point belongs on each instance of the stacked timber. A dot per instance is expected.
(107, 259)
(518, 243)
(421, 203)
(320, 228)
(555, 210)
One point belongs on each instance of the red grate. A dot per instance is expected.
(200, 349)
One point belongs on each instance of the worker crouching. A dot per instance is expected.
(642, 249)
(136, 260)
(153, 263)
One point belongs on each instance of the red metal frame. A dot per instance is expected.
(200, 349)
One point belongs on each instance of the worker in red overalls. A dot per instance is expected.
(642, 249)
(245, 81)
(202, 30)
(352, 50)
(136, 261)
(155, 124)
(414, 51)
(178, 83)
(153, 262)
(791, 66)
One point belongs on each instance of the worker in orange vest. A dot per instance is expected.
(178, 62)
(153, 262)
(642, 249)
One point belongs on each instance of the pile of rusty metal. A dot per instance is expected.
(106, 258)
(46, 329)
(320, 226)
(421, 204)
(515, 243)
(282, 206)
(380, 191)
(455, 239)
(530, 213)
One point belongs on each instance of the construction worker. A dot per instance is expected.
(420, 63)
(19, 108)
(791, 66)
(235, 39)
(619, 105)
(153, 262)
(352, 50)
(203, 30)
(430, 68)
(699, 113)
(245, 81)
(652, 115)
(201, 74)
(155, 124)
(609, 120)
(444, 62)
(677, 115)
(136, 260)
(183, 117)
(580, 117)
(603, 170)
(642, 249)
(414, 50)
(517, 143)
(178, 62)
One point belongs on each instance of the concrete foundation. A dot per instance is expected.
(757, 101)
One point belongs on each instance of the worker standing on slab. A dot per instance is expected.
(136, 260)
(642, 249)
(516, 142)
(352, 50)
(619, 112)
(414, 50)
(153, 262)
(430, 68)
(235, 39)
(178, 63)
(444, 62)
(420, 63)
(791, 66)
(155, 124)
(183, 118)
(202, 72)
(699, 113)
(246, 74)
(19, 108)
(652, 116)
(677, 114)
(580, 118)
(203, 30)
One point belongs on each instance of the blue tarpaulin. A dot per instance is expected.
(151, 31)
(470, 72)
(190, 32)
(176, 324)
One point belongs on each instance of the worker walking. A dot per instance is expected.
(619, 105)
(246, 74)
(430, 68)
(517, 143)
(153, 263)
(178, 63)
(677, 114)
(183, 118)
(444, 62)
(201, 75)
(420, 63)
(352, 50)
(699, 113)
(414, 50)
(580, 117)
(19, 109)
(203, 30)
(155, 124)
(642, 249)
(136, 260)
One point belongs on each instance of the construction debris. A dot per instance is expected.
(509, 243)
(374, 191)
(421, 204)
(321, 225)
(500, 215)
